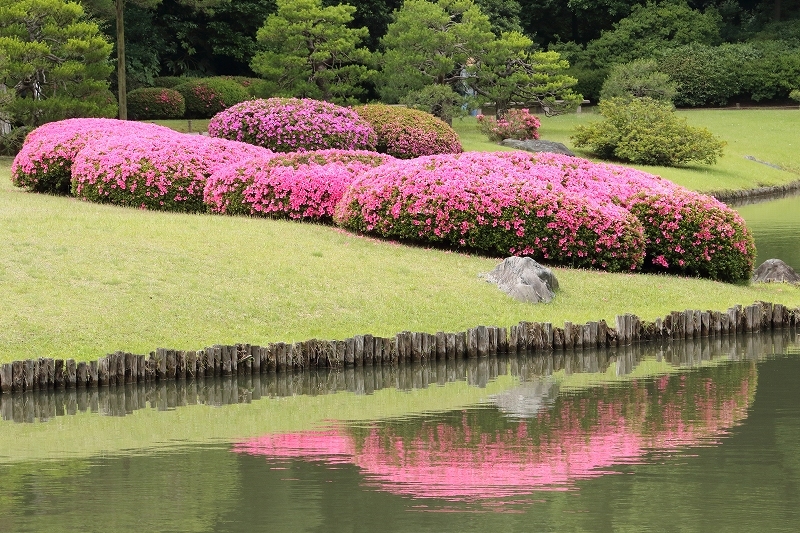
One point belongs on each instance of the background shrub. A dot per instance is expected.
(705, 75)
(298, 185)
(44, 164)
(294, 124)
(169, 82)
(638, 79)
(160, 172)
(646, 131)
(515, 124)
(205, 97)
(484, 202)
(150, 103)
(11, 143)
(406, 133)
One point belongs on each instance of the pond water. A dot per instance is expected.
(700, 436)
(776, 227)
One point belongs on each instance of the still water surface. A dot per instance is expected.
(776, 227)
(701, 436)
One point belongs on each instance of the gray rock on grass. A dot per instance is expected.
(524, 279)
(533, 145)
(775, 271)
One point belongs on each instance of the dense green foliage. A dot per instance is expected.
(637, 79)
(407, 133)
(646, 131)
(149, 103)
(308, 51)
(54, 61)
(205, 97)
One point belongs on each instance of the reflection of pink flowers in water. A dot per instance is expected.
(457, 463)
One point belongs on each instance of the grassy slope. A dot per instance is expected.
(80, 280)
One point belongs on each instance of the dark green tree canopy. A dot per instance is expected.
(54, 62)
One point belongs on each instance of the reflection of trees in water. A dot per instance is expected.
(476, 454)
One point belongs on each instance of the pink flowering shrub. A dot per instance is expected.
(166, 173)
(406, 133)
(686, 232)
(293, 125)
(155, 103)
(44, 164)
(515, 124)
(299, 185)
(483, 202)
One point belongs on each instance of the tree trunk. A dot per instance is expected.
(122, 94)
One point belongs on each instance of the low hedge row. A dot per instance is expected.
(558, 209)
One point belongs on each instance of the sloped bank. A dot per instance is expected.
(367, 350)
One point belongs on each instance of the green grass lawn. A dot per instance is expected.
(81, 280)
(768, 135)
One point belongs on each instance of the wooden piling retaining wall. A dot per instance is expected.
(121, 368)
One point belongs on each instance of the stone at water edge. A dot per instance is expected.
(524, 279)
(775, 270)
(533, 145)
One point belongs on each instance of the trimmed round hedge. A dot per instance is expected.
(406, 133)
(166, 173)
(44, 164)
(205, 97)
(298, 185)
(483, 202)
(150, 103)
(293, 125)
(686, 232)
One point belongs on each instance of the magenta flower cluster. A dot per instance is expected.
(408, 133)
(686, 232)
(299, 185)
(45, 162)
(514, 124)
(482, 201)
(557, 209)
(293, 125)
(167, 172)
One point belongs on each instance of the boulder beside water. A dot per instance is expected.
(524, 279)
(775, 271)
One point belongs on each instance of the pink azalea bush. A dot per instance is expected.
(483, 202)
(515, 124)
(293, 125)
(685, 232)
(299, 185)
(407, 133)
(166, 173)
(44, 164)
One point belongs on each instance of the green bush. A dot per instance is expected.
(256, 87)
(705, 75)
(205, 97)
(439, 100)
(155, 103)
(170, 82)
(637, 79)
(646, 131)
(772, 71)
(11, 143)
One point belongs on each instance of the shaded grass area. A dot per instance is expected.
(81, 280)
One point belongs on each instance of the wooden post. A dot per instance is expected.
(102, 371)
(6, 378)
(450, 346)
(58, 374)
(82, 374)
(481, 341)
(180, 365)
(513, 340)
(72, 374)
(441, 346)
(93, 374)
(502, 340)
(358, 350)
(461, 344)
